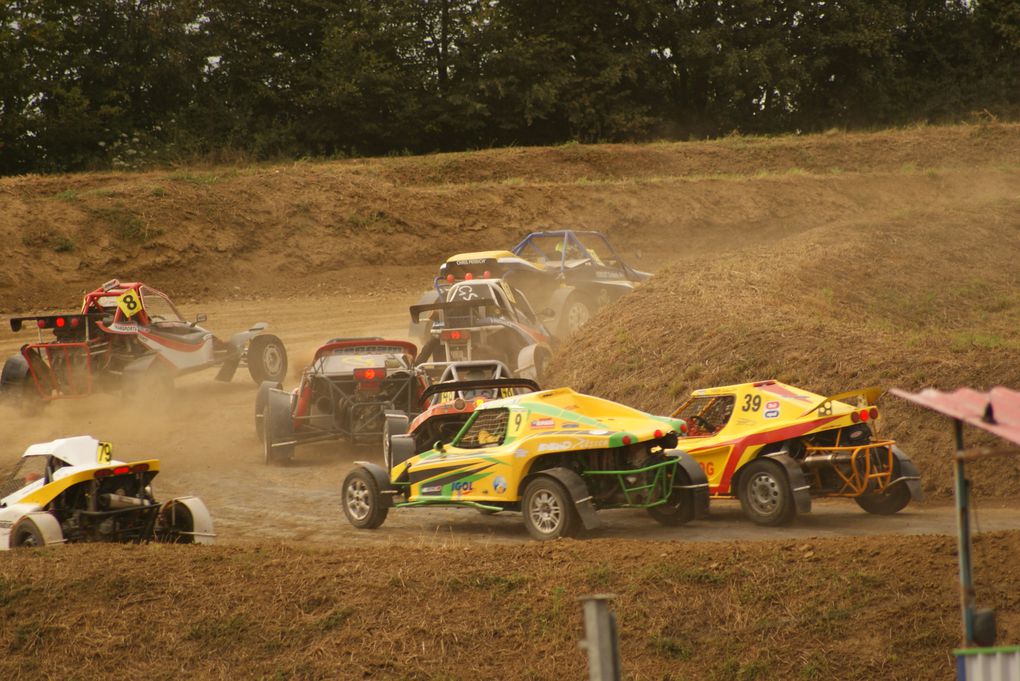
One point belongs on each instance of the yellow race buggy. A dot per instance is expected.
(774, 446)
(556, 456)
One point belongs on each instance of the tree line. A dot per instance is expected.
(123, 83)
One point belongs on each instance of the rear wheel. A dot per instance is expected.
(893, 500)
(549, 511)
(575, 314)
(765, 493)
(277, 429)
(396, 424)
(267, 359)
(362, 501)
(679, 509)
(261, 399)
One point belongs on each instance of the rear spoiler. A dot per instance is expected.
(871, 395)
(480, 384)
(416, 310)
(61, 322)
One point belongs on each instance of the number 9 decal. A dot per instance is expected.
(104, 453)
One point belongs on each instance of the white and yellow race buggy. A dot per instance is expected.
(73, 490)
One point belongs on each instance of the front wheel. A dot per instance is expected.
(261, 399)
(893, 500)
(765, 494)
(362, 501)
(549, 511)
(396, 424)
(267, 359)
(27, 535)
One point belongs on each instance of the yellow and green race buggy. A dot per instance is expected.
(555, 456)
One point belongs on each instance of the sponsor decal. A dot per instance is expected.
(542, 423)
(462, 487)
(774, 404)
(6, 523)
(471, 261)
(555, 446)
(772, 413)
(432, 489)
(499, 485)
(128, 327)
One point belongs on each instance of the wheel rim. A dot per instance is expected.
(272, 359)
(577, 316)
(546, 512)
(27, 540)
(359, 503)
(763, 494)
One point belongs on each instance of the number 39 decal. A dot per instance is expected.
(751, 403)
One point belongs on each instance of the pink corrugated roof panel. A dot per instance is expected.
(997, 411)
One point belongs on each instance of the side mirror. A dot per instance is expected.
(200, 318)
(439, 447)
(548, 313)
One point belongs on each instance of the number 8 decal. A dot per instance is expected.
(129, 303)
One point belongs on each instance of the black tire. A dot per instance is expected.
(765, 494)
(548, 510)
(277, 426)
(361, 500)
(267, 359)
(26, 535)
(576, 312)
(893, 500)
(261, 398)
(396, 424)
(175, 525)
(679, 510)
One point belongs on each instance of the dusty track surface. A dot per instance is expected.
(204, 436)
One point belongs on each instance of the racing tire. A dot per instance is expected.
(765, 494)
(18, 386)
(679, 509)
(548, 510)
(277, 426)
(267, 359)
(893, 500)
(175, 525)
(362, 501)
(261, 399)
(396, 424)
(575, 313)
(26, 535)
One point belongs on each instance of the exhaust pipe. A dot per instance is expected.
(115, 501)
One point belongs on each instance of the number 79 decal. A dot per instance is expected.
(104, 452)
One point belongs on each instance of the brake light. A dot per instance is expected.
(103, 473)
(450, 278)
(855, 417)
(367, 374)
(454, 335)
(873, 412)
(487, 274)
(61, 322)
(140, 468)
(626, 439)
(41, 323)
(122, 470)
(864, 415)
(683, 428)
(74, 322)
(658, 433)
(468, 276)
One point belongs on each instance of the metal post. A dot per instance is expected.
(600, 639)
(963, 533)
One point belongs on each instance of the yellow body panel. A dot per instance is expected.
(742, 419)
(48, 493)
(537, 424)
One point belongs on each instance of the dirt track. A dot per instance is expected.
(206, 441)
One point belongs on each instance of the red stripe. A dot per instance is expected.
(172, 344)
(740, 445)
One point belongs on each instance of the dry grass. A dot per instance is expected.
(881, 607)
